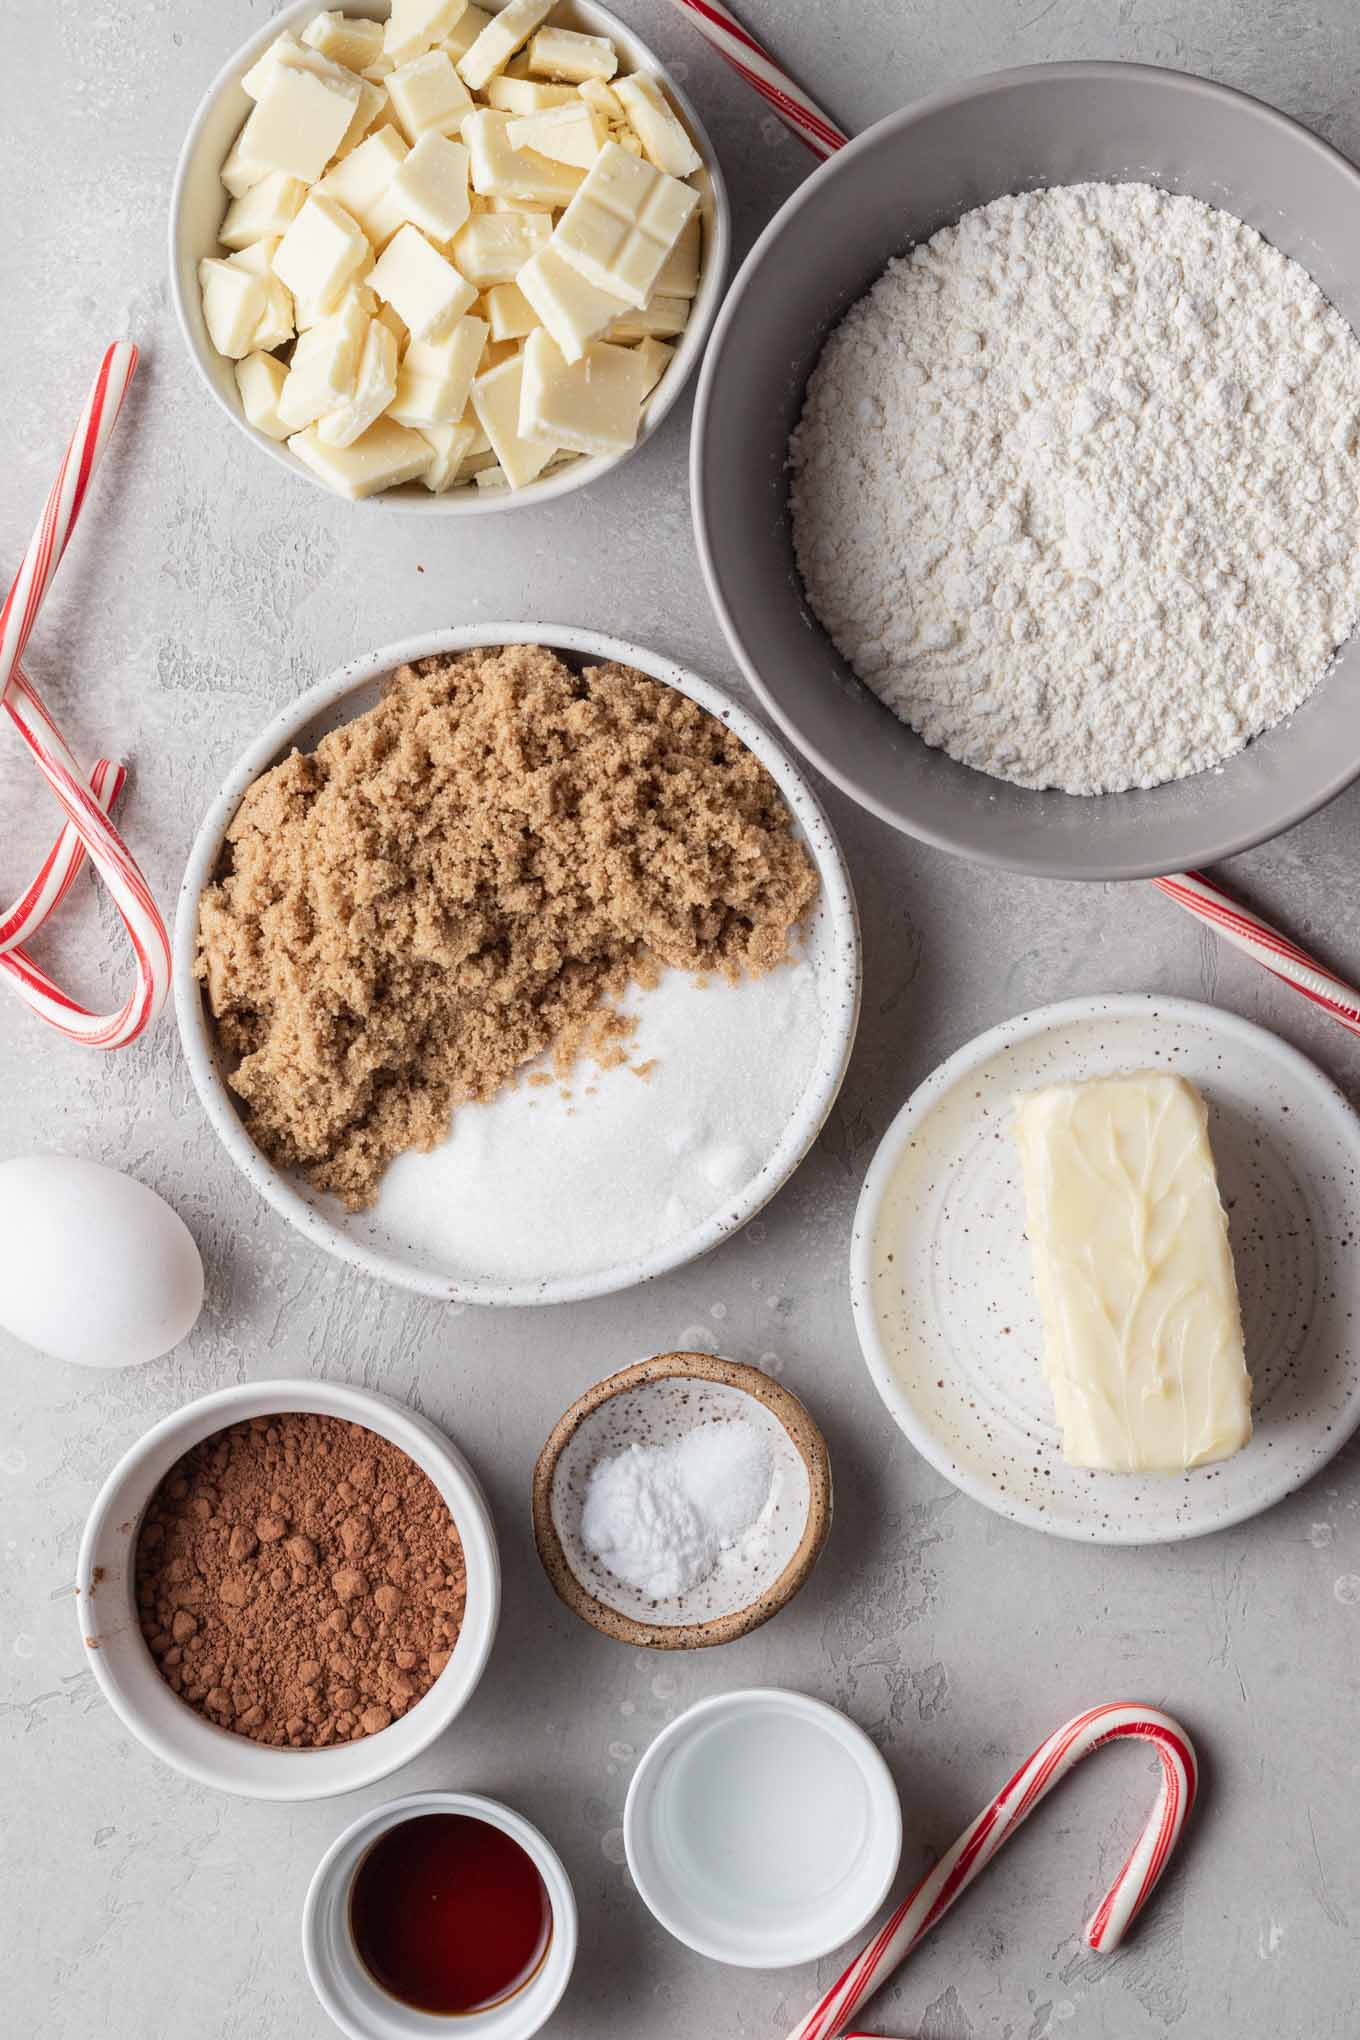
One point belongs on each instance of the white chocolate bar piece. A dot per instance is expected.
(573, 133)
(509, 312)
(362, 184)
(661, 318)
(431, 186)
(260, 379)
(449, 445)
(465, 32)
(623, 223)
(573, 311)
(655, 357)
(496, 400)
(523, 96)
(565, 53)
(302, 115)
(1142, 1333)
(590, 406)
(375, 385)
(656, 125)
(325, 362)
(500, 170)
(435, 380)
(263, 212)
(494, 247)
(429, 94)
(382, 458)
(679, 275)
(414, 25)
(423, 289)
(503, 35)
(233, 306)
(322, 251)
(346, 39)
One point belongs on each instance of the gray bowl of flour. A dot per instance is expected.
(1291, 747)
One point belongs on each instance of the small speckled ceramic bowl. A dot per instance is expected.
(657, 1402)
(367, 1239)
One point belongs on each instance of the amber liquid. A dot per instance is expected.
(449, 1914)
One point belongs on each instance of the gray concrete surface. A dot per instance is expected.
(203, 591)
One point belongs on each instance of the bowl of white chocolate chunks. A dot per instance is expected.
(456, 258)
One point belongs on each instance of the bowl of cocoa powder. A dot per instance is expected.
(289, 1589)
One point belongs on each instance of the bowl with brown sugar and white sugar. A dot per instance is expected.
(289, 1589)
(516, 965)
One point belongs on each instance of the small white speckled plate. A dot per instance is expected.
(943, 1291)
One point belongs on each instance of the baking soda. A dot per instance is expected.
(660, 1516)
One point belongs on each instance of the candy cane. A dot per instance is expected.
(974, 1850)
(88, 828)
(754, 63)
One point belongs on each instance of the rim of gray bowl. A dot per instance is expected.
(412, 499)
(1215, 847)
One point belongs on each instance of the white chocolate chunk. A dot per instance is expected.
(679, 276)
(398, 328)
(623, 223)
(656, 125)
(362, 184)
(375, 385)
(356, 300)
(655, 358)
(233, 305)
(450, 445)
(382, 458)
(423, 289)
(263, 212)
(371, 108)
(428, 94)
(238, 173)
(345, 38)
(260, 72)
(591, 405)
(661, 318)
(498, 41)
(573, 133)
(325, 362)
(509, 311)
(522, 96)
(496, 400)
(493, 477)
(565, 53)
(321, 253)
(500, 170)
(435, 383)
(301, 116)
(494, 247)
(1142, 1334)
(465, 32)
(260, 379)
(573, 310)
(276, 321)
(519, 205)
(431, 186)
(599, 95)
(413, 26)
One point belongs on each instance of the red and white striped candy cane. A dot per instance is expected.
(718, 26)
(1265, 945)
(974, 1850)
(88, 829)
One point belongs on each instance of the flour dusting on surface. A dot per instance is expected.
(1076, 488)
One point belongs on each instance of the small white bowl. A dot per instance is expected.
(126, 1672)
(832, 1821)
(362, 1239)
(349, 1994)
(198, 201)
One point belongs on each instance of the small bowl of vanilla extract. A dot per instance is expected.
(440, 1906)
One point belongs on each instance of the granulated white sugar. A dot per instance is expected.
(1076, 487)
(550, 1180)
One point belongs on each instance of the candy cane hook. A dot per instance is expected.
(974, 1850)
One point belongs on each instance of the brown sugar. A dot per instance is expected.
(467, 876)
(299, 1580)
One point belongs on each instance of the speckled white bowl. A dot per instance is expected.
(359, 1238)
(943, 1291)
(198, 202)
(125, 1670)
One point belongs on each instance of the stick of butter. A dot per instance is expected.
(1134, 1273)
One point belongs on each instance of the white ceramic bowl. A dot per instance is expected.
(342, 1983)
(198, 202)
(362, 1239)
(748, 1850)
(123, 1666)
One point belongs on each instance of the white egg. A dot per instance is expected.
(94, 1267)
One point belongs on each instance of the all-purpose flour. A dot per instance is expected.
(1076, 487)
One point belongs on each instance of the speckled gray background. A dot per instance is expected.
(203, 590)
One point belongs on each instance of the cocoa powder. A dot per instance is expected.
(299, 1580)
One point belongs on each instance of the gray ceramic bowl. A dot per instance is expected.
(907, 177)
